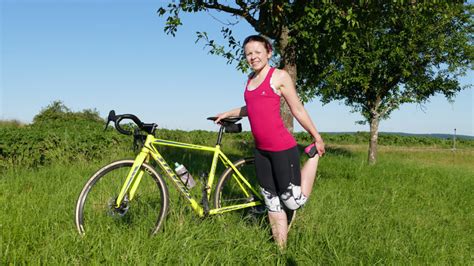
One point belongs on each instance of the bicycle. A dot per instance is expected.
(113, 191)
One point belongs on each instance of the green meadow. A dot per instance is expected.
(415, 206)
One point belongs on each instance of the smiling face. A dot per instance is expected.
(257, 55)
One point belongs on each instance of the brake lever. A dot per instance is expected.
(110, 118)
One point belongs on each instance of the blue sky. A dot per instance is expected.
(108, 54)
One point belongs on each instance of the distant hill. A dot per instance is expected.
(433, 135)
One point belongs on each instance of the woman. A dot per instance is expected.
(282, 182)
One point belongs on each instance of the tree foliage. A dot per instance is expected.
(395, 53)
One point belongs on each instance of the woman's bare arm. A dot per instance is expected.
(287, 88)
(241, 111)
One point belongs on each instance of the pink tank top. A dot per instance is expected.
(263, 108)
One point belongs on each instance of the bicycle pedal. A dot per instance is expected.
(260, 209)
(205, 201)
(203, 177)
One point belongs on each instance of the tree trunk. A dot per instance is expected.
(284, 108)
(374, 135)
(286, 115)
(288, 58)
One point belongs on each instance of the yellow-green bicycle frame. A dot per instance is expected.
(150, 151)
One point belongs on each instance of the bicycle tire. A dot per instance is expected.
(228, 191)
(94, 208)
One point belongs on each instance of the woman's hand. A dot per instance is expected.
(318, 141)
(220, 117)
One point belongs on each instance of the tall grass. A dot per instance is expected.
(413, 207)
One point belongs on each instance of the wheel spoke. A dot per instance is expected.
(229, 191)
(97, 211)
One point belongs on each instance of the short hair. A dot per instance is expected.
(259, 38)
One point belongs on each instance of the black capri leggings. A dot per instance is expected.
(275, 170)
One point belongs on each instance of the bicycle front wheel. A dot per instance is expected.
(231, 191)
(96, 210)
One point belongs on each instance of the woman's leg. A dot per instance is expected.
(308, 175)
(279, 224)
(279, 220)
(276, 215)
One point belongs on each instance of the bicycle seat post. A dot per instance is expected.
(219, 137)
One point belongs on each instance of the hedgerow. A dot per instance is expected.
(59, 135)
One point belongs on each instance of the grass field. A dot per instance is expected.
(414, 207)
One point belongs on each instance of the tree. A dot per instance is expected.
(395, 53)
(278, 20)
(374, 55)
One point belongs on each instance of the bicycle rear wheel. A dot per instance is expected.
(96, 210)
(229, 190)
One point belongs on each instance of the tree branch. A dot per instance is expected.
(244, 12)
(391, 104)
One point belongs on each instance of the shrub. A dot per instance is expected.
(57, 111)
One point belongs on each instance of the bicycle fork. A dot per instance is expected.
(133, 178)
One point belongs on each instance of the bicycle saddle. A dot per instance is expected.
(229, 124)
(229, 120)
